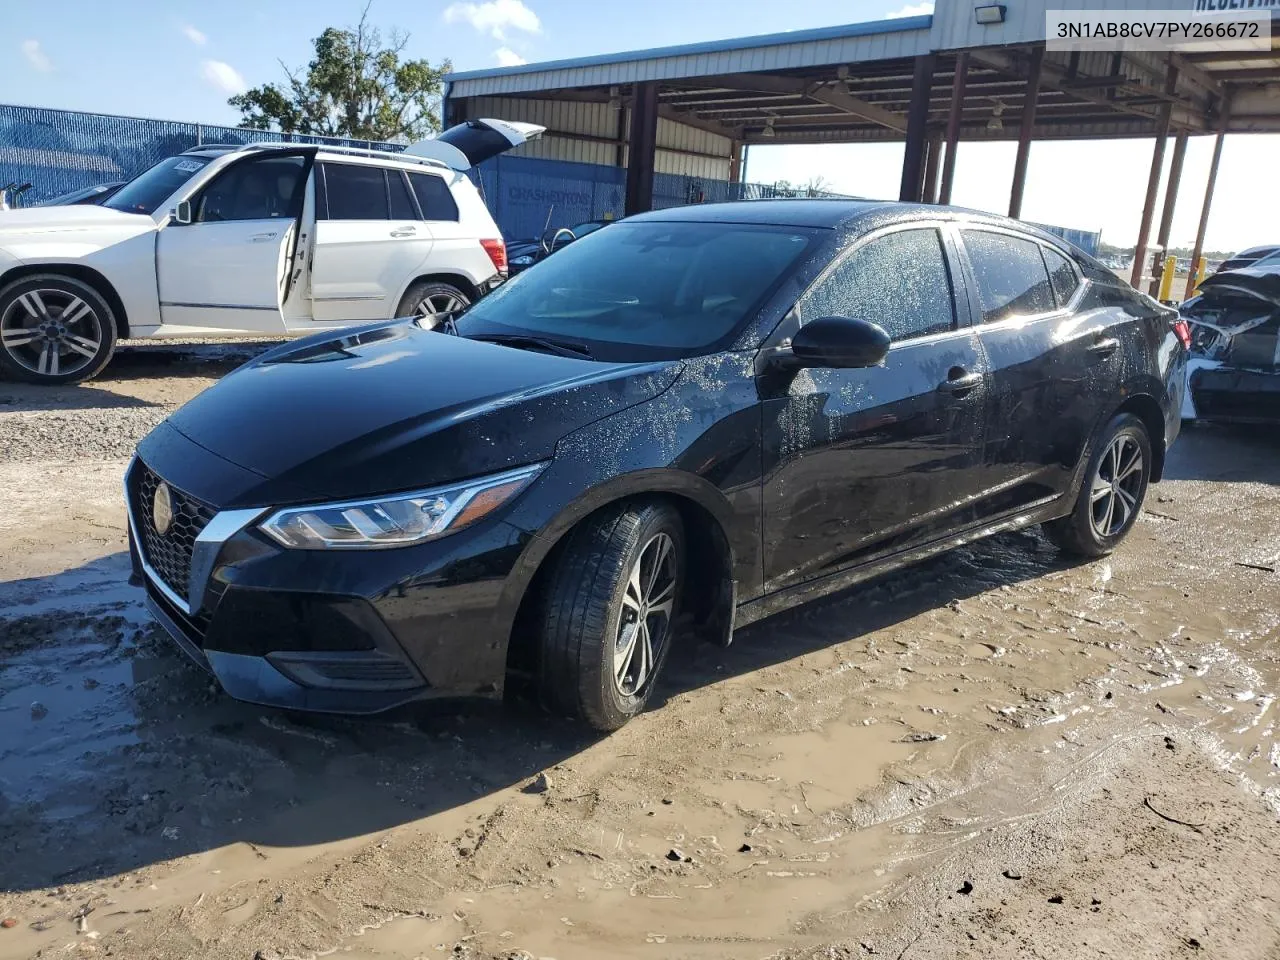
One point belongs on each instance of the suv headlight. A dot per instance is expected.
(396, 520)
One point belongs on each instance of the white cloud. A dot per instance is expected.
(36, 56)
(913, 10)
(194, 35)
(223, 76)
(495, 17)
(507, 57)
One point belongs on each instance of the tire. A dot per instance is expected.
(592, 655)
(1089, 530)
(54, 329)
(428, 299)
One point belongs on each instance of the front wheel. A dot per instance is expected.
(1112, 493)
(611, 602)
(54, 329)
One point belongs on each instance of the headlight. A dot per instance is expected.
(525, 261)
(398, 519)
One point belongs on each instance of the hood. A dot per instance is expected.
(393, 407)
(1261, 282)
(36, 221)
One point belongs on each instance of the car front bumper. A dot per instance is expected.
(1231, 395)
(343, 631)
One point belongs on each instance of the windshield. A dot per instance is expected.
(145, 192)
(644, 290)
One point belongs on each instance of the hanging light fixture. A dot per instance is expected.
(768, 130)
(615, 99)
(997, 111)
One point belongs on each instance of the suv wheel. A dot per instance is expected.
(432, 301)
(54, 329)
(1112, 493)
(607, 621)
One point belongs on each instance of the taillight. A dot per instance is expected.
(1183, 330)
(497, 251)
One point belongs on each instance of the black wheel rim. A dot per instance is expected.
(1117, 484)
(645, 622)
(50, 332)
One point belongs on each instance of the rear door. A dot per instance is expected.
(230, 267)
(370, 241)
(863, 463)
(1055, 357)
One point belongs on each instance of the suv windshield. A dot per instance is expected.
(145, 192)
(644, 290)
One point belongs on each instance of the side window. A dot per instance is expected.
(1061, 275)
(1011, 275)
(899, 281)
(356, 192)
(434, 197)
(263, 188)
(402, 207)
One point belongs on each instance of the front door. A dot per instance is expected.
(229, 268)
(370, 242)
(860, 463)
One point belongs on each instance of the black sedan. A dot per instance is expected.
(673, 427)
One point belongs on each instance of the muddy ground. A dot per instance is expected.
(994, 755)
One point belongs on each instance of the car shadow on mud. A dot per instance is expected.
(1229, 453)
(120, 754)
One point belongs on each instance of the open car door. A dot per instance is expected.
(475, 141)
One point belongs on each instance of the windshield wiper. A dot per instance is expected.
(523, 341)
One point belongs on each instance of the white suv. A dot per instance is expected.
(263, 239)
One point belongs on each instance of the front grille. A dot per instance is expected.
(168, 554)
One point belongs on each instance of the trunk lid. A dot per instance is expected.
(475, 141)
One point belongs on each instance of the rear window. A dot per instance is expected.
(1011, 275)
(645, 290)
(434, 197)
(356, 192)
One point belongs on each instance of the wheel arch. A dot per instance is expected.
(76, 271)
(1147, 409)
(459, 280)
(709, 593)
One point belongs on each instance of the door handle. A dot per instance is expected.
(1103, 348)
(262, 237)
(961, 383)
(404, 232)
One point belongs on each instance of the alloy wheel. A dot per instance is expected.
(437, 306)
(51, 332)
(1117, 484)
(645, 623)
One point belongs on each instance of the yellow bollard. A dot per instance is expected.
(1200, 269)
(1166, 278)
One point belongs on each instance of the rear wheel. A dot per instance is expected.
(607, 622)
(54, 329)
(431, 301)
(1111, 496)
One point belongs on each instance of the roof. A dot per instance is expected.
(876, 39)
(781, 212)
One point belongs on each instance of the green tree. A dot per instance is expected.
(354, 87)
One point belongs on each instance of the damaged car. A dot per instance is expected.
(1234, 370)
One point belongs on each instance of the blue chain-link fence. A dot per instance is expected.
(59, 151)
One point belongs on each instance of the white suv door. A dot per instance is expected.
(369, 241)
(228, 268)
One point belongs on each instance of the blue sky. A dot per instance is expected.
(180, 60)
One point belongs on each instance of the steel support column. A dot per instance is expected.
(1023, 155)
(1208, 194)
(1163, 116)
(1170, 201)
(735, 162)
(917, 122)
(953, 126)
(930, 192)
(642, 148)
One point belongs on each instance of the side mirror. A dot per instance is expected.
(839, 342)
(181, 213)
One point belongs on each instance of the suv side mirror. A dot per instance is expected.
(181, 213)
(840, 342)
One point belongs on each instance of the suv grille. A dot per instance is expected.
(169, 554)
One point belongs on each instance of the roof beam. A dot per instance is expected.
(845, 103)
(693, 120)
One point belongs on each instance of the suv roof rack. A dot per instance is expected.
(353, 151)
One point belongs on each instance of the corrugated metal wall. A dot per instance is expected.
(955, 27)
(587, 133)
